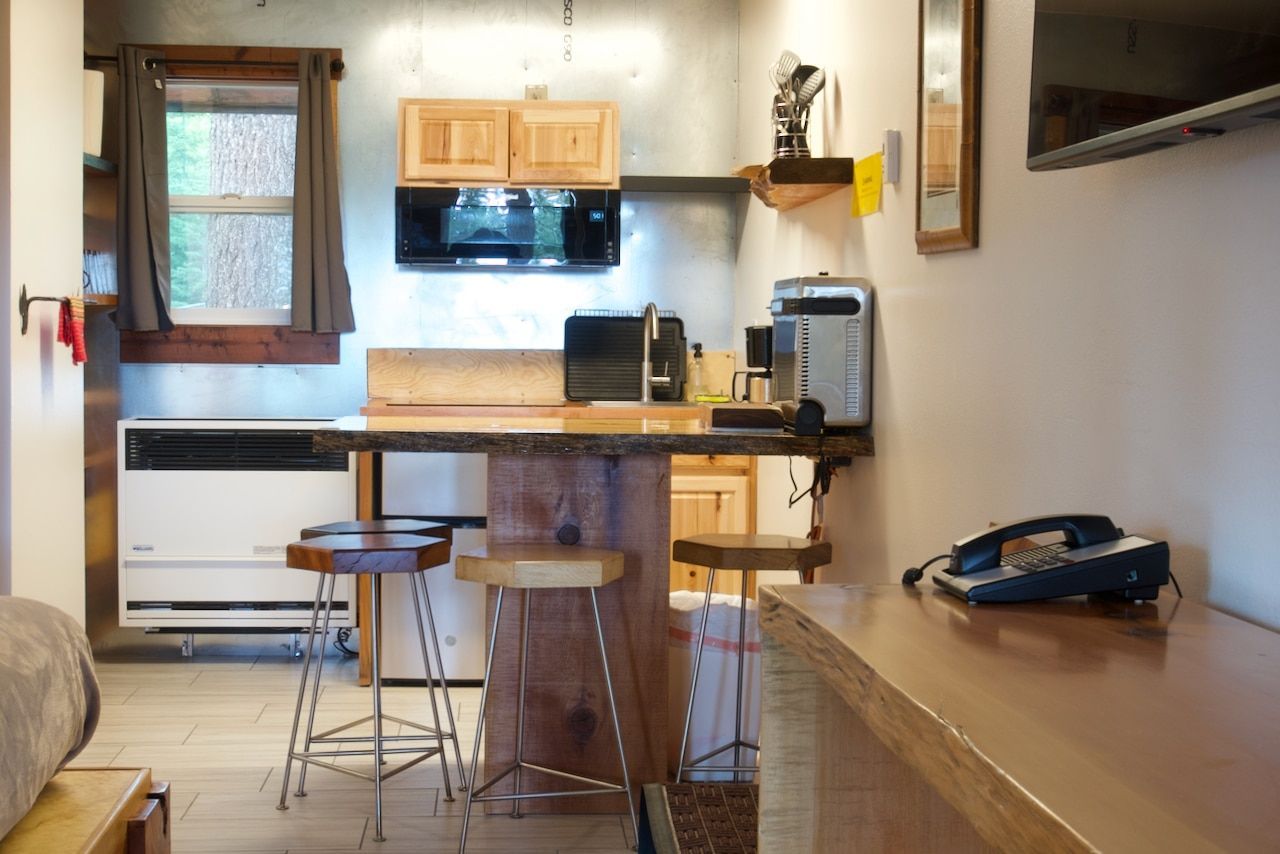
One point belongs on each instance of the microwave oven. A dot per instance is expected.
(507, 227)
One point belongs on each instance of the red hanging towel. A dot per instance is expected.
(71, 328)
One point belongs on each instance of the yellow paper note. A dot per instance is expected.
(868, 178)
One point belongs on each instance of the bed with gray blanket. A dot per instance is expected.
(48, 700)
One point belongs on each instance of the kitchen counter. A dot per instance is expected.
(607, 481)
(599, 434)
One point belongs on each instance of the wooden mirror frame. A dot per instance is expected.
(964, 235)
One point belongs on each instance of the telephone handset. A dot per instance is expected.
(1094, 557)
(982, 550)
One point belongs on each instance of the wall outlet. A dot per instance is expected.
(536, 92)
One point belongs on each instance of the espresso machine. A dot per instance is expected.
(822, 352)
(757, 384)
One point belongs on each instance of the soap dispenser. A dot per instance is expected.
(698, 387)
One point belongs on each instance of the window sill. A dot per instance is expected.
(230, 345)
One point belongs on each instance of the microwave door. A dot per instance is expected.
(533, 228)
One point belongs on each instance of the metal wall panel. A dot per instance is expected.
(671, 65)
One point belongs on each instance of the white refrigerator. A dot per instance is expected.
(451, 488)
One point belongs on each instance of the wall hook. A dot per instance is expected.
(24, 303)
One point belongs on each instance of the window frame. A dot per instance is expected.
(210, 341)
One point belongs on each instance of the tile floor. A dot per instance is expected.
(215, 725)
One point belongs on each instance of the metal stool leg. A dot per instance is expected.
(414, 578)
(613, 711)
(741, 665)
(693, 681)
(377, 710)
(302, 688)
(484, 701)
(524, 671)
(315, 688)
(444, 685)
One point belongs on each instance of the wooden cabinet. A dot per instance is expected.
(711, 494)
(456, 143)
(564, 147)
(453, 143)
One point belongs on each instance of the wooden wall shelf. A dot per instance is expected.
(789, 182)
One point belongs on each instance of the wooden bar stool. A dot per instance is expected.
(740, 552)
(528, 567)
(420, 528)
(362, 554)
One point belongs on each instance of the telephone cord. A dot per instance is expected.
(914, 574)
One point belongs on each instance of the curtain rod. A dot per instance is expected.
(335, 66)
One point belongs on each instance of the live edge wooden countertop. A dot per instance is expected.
(602, 436)
(1059, 726)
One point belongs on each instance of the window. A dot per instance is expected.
(231, 127)
(231, 166)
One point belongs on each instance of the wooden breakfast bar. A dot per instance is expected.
(607, 482)
(902, 719)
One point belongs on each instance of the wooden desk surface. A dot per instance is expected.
(1064, 725)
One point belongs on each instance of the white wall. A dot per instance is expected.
(42, 430)
(1110, 348)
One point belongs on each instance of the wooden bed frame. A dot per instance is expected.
(96, 811)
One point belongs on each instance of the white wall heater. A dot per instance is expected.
(206, 510)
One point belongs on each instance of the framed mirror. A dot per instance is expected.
(949, 86)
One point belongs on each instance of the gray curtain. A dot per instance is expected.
(321, 291)
(142, 200)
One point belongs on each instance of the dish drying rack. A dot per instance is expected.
(619, 312)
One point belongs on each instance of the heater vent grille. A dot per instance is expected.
(227, 450)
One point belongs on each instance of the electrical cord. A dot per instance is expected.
(914, 574)
(823, 471)
(1176, 586)
(340, 643)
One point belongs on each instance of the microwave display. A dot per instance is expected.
(490, 226)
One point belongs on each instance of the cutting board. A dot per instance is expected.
(453, 376)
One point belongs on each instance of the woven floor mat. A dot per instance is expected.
(702, 818)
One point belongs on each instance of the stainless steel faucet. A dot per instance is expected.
(650, 334)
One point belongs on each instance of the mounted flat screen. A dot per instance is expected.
(1117, 78)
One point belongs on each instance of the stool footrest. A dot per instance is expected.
(314, 758)
(693, 763)
(603, 787)
(328, 734)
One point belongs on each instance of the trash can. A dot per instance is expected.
(714, 707)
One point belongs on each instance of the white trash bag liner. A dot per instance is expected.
(714, 707)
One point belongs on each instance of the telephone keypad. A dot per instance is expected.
(1038, 559)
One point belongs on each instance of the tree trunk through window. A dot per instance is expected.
(250, 154)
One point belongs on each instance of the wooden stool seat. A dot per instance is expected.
(374, 554)
(771, 552)
(380, 526)
(539, 565)
(748, 553)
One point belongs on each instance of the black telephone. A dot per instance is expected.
(1094, 557)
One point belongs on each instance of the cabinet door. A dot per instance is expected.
(453, 144)
(709, 504)
(564, 147)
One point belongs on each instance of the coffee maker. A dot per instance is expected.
(758, 384)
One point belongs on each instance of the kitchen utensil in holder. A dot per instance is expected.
(790, 129)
